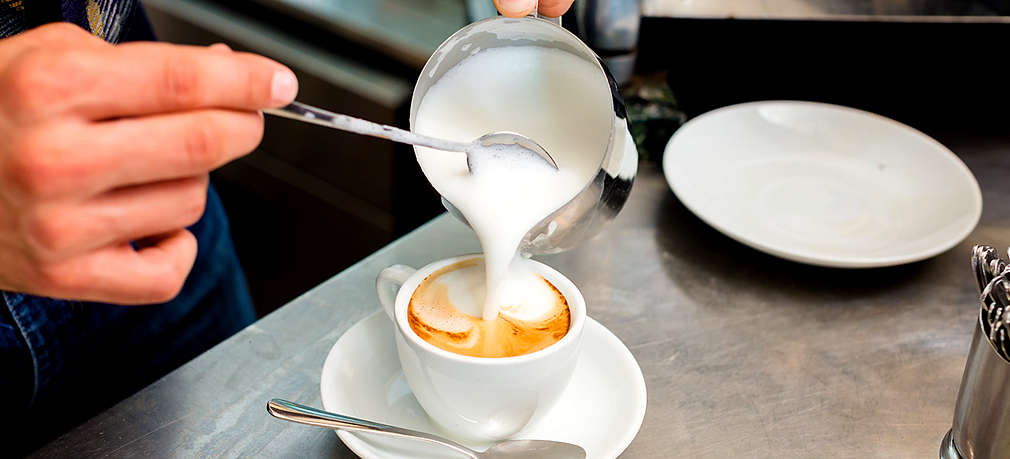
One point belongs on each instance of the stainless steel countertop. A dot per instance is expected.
(744, 355)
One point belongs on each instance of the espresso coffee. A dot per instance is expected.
(446, 311)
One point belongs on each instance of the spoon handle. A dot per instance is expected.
(290, 411)
(302, 112)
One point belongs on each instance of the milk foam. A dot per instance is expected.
(557, 99)
(445, 309)
(525, 296)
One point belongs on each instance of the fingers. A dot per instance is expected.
(134, 213)
(84, 251)
(65, 35)
(122, 275)
(88, 159)
(515, 8)
(554, 8)
(142, 79)
(172, 78)
(172, 146)
(50, 36)
(62, 231)
(520, 8)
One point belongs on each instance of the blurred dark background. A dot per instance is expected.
(311, 201)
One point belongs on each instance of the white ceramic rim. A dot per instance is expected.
(812, 257)
(576, 307)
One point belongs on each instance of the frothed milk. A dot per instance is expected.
(557, 99)
(445, 311)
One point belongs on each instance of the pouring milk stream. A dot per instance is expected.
(546, 94)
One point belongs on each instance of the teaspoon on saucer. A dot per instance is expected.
(508, 143)
(508, 449)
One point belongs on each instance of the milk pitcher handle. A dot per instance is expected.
(535, 14)
(388, 283)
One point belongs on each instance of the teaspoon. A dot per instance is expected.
(302, 112)
(508, 449)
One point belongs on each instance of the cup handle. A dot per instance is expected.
(388, 283)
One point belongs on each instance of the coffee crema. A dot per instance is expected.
(446, 311)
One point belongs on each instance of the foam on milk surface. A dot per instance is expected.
(445, 310)
(525, 297)
(546, 94)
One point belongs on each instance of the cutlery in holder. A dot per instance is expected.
(982, 415)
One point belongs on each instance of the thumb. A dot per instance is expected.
(515, 8)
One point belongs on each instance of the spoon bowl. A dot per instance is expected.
(509, 143)
(543, 449)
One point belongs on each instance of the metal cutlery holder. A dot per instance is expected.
(981, 428)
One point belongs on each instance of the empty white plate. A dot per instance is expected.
(600, 410)
(822, 184)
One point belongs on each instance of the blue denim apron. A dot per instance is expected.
(61, 361)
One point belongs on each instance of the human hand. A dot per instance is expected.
(520, 8)
(103, 145)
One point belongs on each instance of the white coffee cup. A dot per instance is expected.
(481, 398)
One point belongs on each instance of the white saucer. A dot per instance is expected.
(822, 184)
(601, 410)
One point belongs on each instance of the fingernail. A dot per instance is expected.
(220, 46)
(284, 87)
(516, 8)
